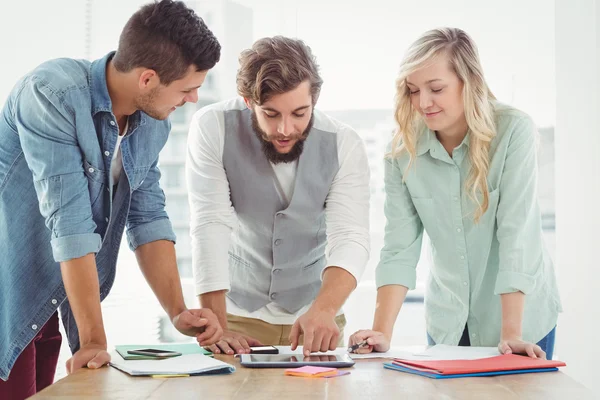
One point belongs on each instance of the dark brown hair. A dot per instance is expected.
(167, 37)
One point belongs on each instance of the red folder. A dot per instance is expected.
(507, 362)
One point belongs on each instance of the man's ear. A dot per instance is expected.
(148, 79)
(248, 103)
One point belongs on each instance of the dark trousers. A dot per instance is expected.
(36, 365)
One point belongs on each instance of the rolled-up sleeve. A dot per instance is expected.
(403, 233)
(518, 216)
(147, 220)
(49, 141)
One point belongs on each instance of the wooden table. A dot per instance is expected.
(368, 380)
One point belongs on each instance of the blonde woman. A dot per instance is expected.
(462, 167)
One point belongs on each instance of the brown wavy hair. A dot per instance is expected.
(275, 65)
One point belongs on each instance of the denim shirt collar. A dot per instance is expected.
(101, 101)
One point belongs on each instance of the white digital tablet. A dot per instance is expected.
(295, 360)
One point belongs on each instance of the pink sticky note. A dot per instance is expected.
(310, 370)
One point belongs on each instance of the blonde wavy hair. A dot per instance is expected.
(477, 98)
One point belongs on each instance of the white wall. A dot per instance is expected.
(578, 184)
(32, 32)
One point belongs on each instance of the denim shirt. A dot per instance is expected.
(57, 202)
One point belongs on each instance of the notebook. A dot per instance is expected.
(499, 365)
(185, 348)
(188, 364)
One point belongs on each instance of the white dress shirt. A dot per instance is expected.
(213, 216)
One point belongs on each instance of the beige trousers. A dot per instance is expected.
(270, 334)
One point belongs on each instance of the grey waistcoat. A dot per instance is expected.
(277, 253)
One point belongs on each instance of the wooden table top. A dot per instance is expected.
(367, 380)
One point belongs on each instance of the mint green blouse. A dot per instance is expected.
(473, 263)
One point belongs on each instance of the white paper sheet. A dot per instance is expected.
(182, 365)
(434, 353)
(389, 355)
(406, 353)
(445, 352)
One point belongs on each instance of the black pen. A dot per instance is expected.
(357, 346)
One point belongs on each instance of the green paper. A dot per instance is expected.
(186, 348)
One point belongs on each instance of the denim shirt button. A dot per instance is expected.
(54, 301)
(34, 327)
(112, 123)
(91, 170)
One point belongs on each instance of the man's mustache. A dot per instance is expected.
(295, 136)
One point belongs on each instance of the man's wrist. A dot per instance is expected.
(324, 309)
(215, 301)
(93, 337)
(174, 311)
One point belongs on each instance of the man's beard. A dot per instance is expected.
(269, 149)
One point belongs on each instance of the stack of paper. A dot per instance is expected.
(499, 365)
(189, 364)
(315, 372)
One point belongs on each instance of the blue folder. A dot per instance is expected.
(395, 367)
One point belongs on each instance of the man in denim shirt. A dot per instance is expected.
(79, 146)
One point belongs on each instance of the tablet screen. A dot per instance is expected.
(292, 358)
(295, 360)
